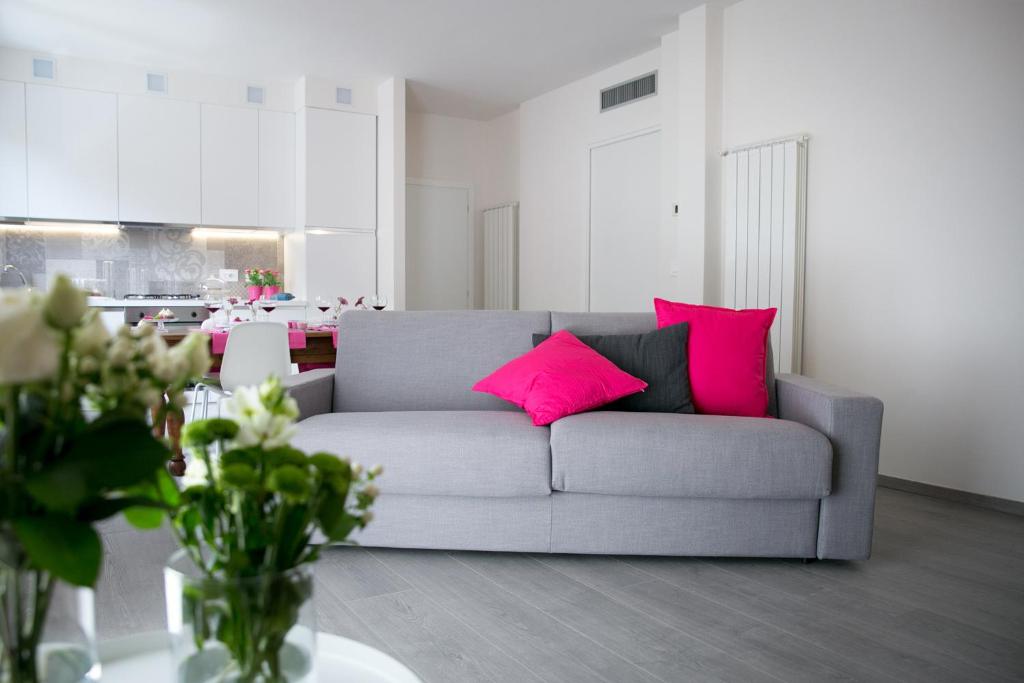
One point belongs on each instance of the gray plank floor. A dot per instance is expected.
(941, 600)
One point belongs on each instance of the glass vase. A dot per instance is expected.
(259, 629)
(48, 629)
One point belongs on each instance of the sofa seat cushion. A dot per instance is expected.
(701, 456)
(444, 453)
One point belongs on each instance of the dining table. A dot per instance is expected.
(309, 348)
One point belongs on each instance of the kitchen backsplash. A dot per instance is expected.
(137, 260)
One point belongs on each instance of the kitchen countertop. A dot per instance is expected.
(110, 302)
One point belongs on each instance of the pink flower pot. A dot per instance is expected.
(270, 290)
(254, 292)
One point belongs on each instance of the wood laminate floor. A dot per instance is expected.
(942, 599)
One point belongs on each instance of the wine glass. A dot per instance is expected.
(268, 306)
(324, 305)
(378, 302)
(213, 305)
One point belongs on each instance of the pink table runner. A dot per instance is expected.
(296, 340)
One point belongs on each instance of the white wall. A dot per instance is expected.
(557, 131)
(915, 241)
(483, 155)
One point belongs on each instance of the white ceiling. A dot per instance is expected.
(471, 58)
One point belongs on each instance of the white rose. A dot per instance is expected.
(65, 304)
(120, 352)
(256, 424)
(92, 338)
(29, 350)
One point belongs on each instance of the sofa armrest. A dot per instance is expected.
(853, 423)
(312, 390)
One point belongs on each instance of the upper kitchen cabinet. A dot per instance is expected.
(159, 159)
(13, 174)
(277, 169)
(230, 163)
(71, 153)
(339, 169)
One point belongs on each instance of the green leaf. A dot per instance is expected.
(145, 516)
(66, 547)
(203, 433)
(108, 455)
(102, 508)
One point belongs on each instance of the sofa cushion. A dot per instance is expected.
(703, 456)
(444, 453)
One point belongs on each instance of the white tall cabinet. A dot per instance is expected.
(339, 174)
(13, 173)
(230, 165)
(276, 169)
(159, 160)
(71, 153)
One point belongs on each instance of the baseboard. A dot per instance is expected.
(1012, 507)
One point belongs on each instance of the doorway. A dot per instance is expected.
(625, 195)
(438, 244)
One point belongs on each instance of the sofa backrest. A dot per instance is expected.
(427, 360)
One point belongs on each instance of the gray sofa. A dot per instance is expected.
(464, 470)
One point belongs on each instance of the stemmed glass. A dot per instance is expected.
(268, 305)
(213, 305)
(378, 302)
(324, 304)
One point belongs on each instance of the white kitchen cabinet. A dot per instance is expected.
(230, 163)
(340, 169)
(276, 169)
(159, 160)
(71, 153)
(13, 173)
(341, 264)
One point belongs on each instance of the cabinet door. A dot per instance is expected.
(230, 162)
(341, 169)
(159, 167)
(13, 175)
(72, 153)
(341, 264)
(277, 169)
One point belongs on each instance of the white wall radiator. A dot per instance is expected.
(764, 216)
(501, 257)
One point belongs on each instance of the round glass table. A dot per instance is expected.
(147, 657)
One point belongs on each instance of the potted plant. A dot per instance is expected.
(239, 590)
(271, 283)
(75, 448)
(254, 283)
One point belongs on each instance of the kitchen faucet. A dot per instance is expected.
(8, 268)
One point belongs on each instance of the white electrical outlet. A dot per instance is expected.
(229, 274)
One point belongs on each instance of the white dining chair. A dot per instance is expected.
(254, 352)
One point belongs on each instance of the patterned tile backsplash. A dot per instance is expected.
(136, 260)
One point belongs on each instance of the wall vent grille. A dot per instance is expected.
(629, 91)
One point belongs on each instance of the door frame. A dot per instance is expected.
(640, 132)
(470, 229)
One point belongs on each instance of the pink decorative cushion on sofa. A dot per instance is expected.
(561, 376)
(728, 356)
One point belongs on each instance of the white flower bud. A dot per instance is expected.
(29, 350)
(371, 490)
(65, 304)
(367, 517)
(375, 471)
(357, 469)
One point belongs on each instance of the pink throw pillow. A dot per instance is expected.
(560, 376)
(728, 352)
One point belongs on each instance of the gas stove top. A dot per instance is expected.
(163, 297)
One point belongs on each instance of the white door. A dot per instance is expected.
(72, 153)
(158, 160)
(230, 163)
(625, 193)
(437, 248)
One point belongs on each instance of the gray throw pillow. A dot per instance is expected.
(658, 357)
